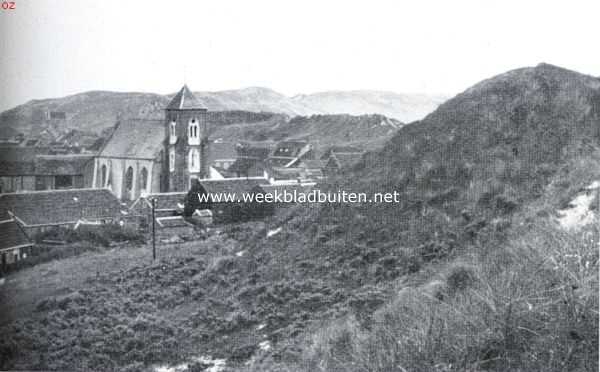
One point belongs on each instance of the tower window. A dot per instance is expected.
(173, 132)
(172, 160)
(193, 132)
(194, 160)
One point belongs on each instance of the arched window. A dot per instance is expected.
(129, 179)
(144, 179)
(172, 132)
(172, 159)
(194, 132)
(103, 175)
(194, 160)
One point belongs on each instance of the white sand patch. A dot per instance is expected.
(178, 368)
(265, 346)
(579, 213)
(276, 231)
(593, 186)
(216, 365)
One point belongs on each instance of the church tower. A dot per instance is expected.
(186, 140)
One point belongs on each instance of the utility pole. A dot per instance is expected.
(153, 230)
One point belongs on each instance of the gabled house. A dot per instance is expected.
(167, 204)
(38, 210)
(340, 158)
(289, 153)
(14, 242)
(236, 208)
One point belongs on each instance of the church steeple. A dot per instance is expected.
(185, 100)
(186, 153)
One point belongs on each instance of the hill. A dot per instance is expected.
(404, 107)
(364, 131)
(98, 110)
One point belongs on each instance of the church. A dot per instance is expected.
(148, 156)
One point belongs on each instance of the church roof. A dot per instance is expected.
(135, 138)
(185, 100)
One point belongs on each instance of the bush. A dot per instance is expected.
(102, 235)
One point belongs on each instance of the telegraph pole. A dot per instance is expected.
(153, 230)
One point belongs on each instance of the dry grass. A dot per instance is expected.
(537, 312)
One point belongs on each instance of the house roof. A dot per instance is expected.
(54, 207)
(288, 188)
(234, 186)
(12, 235)
(61, 164)
(17, 161)
(243, 165)
(340, 149)
(257, 151)
(185, 100)
(289, 148)
(312, 164)
(135, 138)
(164, 201)
(344, 160)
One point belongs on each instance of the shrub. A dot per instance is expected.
(102, 235)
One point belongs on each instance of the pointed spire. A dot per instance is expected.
(185, 100)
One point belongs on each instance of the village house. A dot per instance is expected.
(14, 242)
(289, 153)
(37, 211)
(23, 169)
(225, 211)
(339, 158)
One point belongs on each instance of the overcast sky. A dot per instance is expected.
(52, 48)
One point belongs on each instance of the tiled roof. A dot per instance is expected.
(136, 138)
(11, 235)
(185, 100)
(59, 206)
(61, 164)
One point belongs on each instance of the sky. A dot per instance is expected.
(53, 48)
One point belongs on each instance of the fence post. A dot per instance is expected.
(153, 230)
